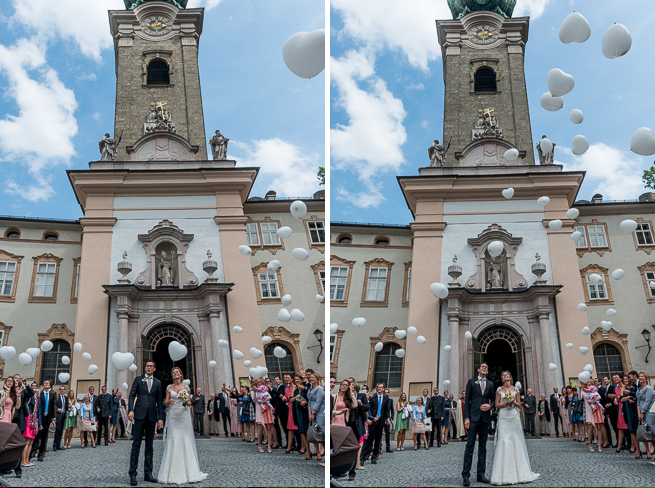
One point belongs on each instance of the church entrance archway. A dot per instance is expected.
(155, 348)
(502, 349)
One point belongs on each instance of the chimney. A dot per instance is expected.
(597, 198)
(271, 195)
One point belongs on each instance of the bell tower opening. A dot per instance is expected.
(158, 73)
(485, 80)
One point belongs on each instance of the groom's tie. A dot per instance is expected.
(482, 385)
(149, 383)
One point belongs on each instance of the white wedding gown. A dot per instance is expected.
(511, 460)
(179, 463)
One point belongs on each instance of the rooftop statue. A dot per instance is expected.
(460, 8)
(132, 4)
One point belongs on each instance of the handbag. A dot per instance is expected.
(314, 434)
(644, 432)
(652, 408)
(128, 429)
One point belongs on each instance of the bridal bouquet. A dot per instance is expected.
(509, 397)
(184, 397)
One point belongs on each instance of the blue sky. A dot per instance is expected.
(58, 83)
(387, 97)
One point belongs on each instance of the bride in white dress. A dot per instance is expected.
(511, 460)
(179, 463)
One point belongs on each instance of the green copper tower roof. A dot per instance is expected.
(460, 8)
(132, 4)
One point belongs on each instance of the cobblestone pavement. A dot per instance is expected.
(229, 462)
(561, 462)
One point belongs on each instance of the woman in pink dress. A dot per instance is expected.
(566, 425)
(235, 426)
(9, 401)
(343, 405)
(291, 425)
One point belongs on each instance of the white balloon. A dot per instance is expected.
(236, 354)
(247, 363)
(468, 335)
(611, 312)
(585, 331)
(575, 28)
(286, 300)
(495, 248)
(543, 201)
(304, 53)
(211, 364)
(576, 116)
(284, 232)
(628, 226)
(177, 351)
(223, 343)
(551, 103)
(319, 298)
(65, 360)
(264, 370)
(24, 359)
(616, 41)
(576, 235)
(618, 273)
(125, 386)
(508, 193)
(86, 356)
(378, 347)
(588, 368)
(334, 327)
(446, 382)
(559, 83)
(517, 385)
(400, 353)
(300, 254)
(400, 334)
(569, 345)
(411, 330)
(122, 361)
(47, 346)
(447, 347)
(439, 290)
(580, 145)
(595, 278)
(359, 321)
(420, 340)
(237, 330)
(245, 250)
(266, 339)
(606, 325)
(255, 353)
(7, 352)
(297, 315)
(555, 224)
(584, 376)
(583, 350)
(511, 154)
(186, 382)
(92, 368)
(64, 377)
(77, 347)
(572, 213)
(283, 315)
(254, 372)
(279, 352)
(643, 142)
(33, 351)
(133, 367)
(298, 209)
(552, 366)
(273, 266)
(545, 145)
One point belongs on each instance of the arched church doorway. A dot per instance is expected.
(155, 348)
(502, 349)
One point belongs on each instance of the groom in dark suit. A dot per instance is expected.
(478, 403)
(146, 414)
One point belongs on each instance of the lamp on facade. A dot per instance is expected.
(318, 333)
(646, 335)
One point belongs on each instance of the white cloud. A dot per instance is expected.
(424, 124)
(370, 197)
(531, 8)
(613, 173)
(32, 193)
(415, 86)
(96, 116)
(208, 4)
(284, 168)
(87, 77)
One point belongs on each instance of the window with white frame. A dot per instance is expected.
(269, 233)
(650, 278)
(7, 274)
(597, 291)
(45, 280)
(321, 277)
(377, 284)
(77, 279)
(409, 281)
(582, 242)
(316, 231)
(338, 281)
(268, 285)
(252, 233)
(597, 235)
(333, 346)
(644, 234)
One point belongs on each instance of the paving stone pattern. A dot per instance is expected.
(561, 462)
(229, 462)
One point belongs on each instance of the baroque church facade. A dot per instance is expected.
(154, 258)
(518, 311)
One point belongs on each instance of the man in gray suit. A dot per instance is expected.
(198, 402)
(530, 409)
(435, 411)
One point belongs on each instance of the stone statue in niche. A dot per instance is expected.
(495, 276)
(486, 125)
(109, 147)
(219, 146)
(158, 119)
(546, 157)
(165, 271)
(437, 152)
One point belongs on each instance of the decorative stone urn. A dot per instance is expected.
(124, 268)
(210, 266)
(538, 269)
(454, 271)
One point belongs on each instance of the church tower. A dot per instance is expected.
(483, 54)
(156, 46)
